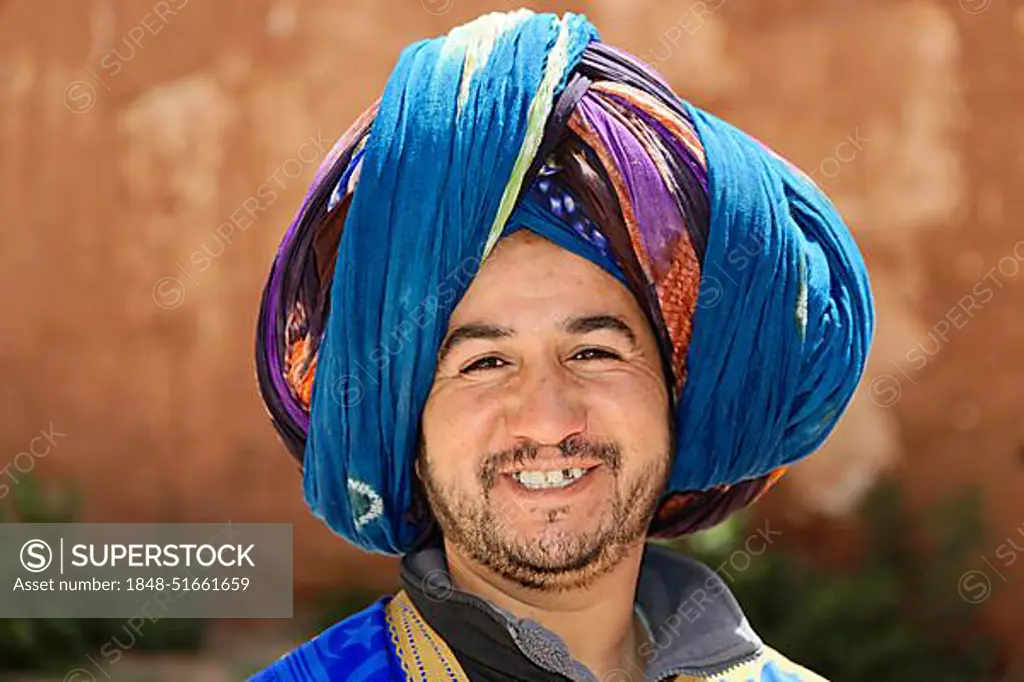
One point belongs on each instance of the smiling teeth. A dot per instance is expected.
(557, 478)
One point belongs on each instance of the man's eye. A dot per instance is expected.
(596, 354)
(490, 362)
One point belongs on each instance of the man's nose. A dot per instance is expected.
(545, 406)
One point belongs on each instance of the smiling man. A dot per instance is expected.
(536, 311)
(544, 377)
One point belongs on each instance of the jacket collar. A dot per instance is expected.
(695, 626)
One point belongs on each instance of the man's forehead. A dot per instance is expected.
(529, 270)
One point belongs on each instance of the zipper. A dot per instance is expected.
(672, 674)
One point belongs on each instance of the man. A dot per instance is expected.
(535, 311)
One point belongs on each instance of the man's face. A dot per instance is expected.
(546, 432)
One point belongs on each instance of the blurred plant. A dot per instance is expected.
(896, 617)
(338, 605)
(31, 503)
(60, 643)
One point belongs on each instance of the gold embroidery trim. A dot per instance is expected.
(424, 656)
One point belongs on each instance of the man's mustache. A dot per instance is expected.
(608, 453)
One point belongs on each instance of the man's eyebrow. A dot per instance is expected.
(571, 325)
(591, 323)
(471, 331)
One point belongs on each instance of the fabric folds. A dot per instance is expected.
(755, 289)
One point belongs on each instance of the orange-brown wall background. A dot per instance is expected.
(131, 130)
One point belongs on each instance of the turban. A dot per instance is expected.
(755, 290)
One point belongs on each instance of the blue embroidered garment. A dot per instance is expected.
(393, 640)
(355, 650)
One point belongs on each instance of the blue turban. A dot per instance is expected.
(756, 291)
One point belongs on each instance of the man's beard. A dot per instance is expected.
(568, 560)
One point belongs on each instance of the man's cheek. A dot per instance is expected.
(457, 470)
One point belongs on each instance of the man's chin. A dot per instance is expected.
(560, 526)
(555, 561)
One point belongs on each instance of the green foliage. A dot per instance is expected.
(339, 605)
(898, 616)
(58, 644)
(29, 502)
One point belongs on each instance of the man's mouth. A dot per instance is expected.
(549, 479)
(541, 480)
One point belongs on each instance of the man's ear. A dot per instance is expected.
(416, 467)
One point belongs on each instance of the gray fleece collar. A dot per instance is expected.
(695, 626)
